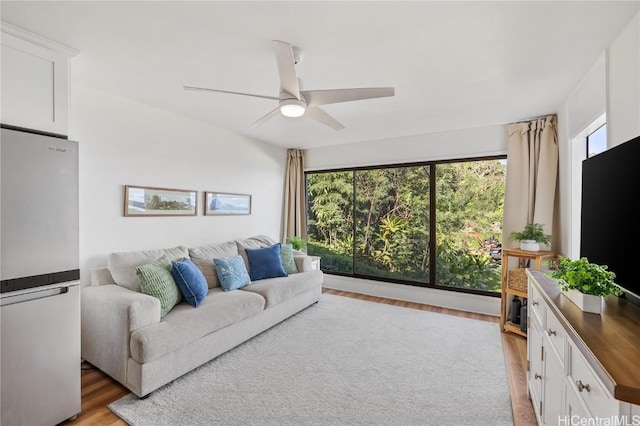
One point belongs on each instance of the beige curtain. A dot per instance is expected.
(295, 218)
(532, 173)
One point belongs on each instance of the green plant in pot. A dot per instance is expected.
(297, 243)
(585, 283)
(531, 237)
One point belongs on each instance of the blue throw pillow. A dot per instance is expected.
(265, 263)
(232, 273)
(190, 280)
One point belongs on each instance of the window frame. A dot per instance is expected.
(578, 152)
(432, 221)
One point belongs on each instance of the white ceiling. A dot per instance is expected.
(453, 64)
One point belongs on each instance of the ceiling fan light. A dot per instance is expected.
(292, 108)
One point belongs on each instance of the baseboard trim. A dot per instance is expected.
(446, 299)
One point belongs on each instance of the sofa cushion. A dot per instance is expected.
(277, 290)
(122, 265)
(156, 280)
(288, 262)
(232, 273)
(184, 325)
(203, 258)
(256, 242)
(265, 263)
(190, 280)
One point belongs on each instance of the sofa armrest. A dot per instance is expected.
(109, 314)
(101, 276)
(303, 262)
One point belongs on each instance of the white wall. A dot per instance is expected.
(612, 84)
(586, 104)
(623, 85)
(125, 142)
(478, 142)
(588, 100)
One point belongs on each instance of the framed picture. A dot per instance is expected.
(220, 203)
(148, 201)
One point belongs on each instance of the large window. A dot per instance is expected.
(430, 224)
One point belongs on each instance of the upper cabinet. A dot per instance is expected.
(34, 81)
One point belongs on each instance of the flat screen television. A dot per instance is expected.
(610, 223)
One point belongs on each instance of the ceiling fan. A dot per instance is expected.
(294, 102)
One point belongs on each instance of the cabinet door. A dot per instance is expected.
(535, 356)
(34, 86)
(553, 388)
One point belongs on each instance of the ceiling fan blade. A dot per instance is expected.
(334, 96)
(204, 89)
(286, 68)
(324, 118)
(266, 117)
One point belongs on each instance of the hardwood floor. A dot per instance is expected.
(98, 389)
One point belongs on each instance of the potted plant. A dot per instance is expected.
(296, 242)
(531, 237)
(586, 284)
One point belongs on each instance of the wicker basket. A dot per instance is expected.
(517, 280)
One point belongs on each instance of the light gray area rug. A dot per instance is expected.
(344, 361)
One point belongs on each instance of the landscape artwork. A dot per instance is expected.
(149, 201)
(220, 203)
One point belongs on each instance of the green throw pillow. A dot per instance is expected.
(156, 280)
(286, 255)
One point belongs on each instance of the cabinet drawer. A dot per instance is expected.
(575, 404)
(556, 336)
(537, 307)
(588, 388)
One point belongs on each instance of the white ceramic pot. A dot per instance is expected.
(586, 302)
(530, 245)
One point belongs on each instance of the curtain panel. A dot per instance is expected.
(532, 174)
(294, 218)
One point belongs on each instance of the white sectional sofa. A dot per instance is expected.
(124, 335)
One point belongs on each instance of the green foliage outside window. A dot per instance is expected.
(391, 216)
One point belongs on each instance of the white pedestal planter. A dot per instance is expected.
(529, 245)
(586, 302)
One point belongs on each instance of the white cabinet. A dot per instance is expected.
(34, 77)
(635, 413)
(569, 353)
(553, 380)
(546, 370)
(536, 366)
(575, 407)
